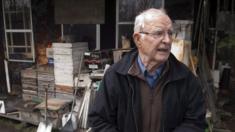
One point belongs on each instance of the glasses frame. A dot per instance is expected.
(159, 34)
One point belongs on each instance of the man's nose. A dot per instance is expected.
(167, 38)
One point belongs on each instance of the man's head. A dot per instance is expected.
(153, 35)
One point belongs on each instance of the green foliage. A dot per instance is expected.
(226, 48)
(228, 41)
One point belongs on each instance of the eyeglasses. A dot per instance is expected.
(159, 33)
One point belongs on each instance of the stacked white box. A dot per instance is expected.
(67, 59)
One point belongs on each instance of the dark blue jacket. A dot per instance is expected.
(117, 105)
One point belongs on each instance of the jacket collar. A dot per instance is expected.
(123, 66)
(177, 70)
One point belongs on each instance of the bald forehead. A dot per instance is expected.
(159, 20)
(156, 15)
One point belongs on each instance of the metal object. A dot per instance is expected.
(83, 112)
(70, 120)
(203, 68)
(7, 76)
(97, 37)
(45, 126)
(62, 32)
(2, 107)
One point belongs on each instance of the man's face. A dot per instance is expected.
(154, 41)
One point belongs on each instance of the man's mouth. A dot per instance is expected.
(163, 50)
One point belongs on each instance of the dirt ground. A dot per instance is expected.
(6, 128)
(229, 120)
(7, 125)
(228, 98)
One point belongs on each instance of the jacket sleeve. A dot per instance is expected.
(102, 115)
(194, 116)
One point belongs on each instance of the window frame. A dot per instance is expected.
(10, 30)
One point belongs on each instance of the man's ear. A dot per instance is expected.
(137, 39)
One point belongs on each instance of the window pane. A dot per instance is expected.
(19, 46)
(128, 9)
(19, 39)
(17, 14)
(20, 54)
(125, 31)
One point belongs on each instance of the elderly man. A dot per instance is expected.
(149, 90)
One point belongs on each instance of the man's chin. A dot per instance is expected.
(162, 57)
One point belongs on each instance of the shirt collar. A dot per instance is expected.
(145, 72)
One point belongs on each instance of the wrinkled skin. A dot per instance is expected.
(153, 50)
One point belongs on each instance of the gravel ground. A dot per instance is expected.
(7, 125)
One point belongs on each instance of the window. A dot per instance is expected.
(126, 10)
(18, 30)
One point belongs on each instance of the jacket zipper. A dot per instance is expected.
(133, 104)
(163, 119)
(151, 103)
(134, 114)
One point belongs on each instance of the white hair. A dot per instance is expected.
(147, 15)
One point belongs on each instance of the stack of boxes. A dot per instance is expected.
(34, 82)
(67, 59)
(29, 84)
(46, 80)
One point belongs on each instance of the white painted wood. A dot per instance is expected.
(7, 76)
